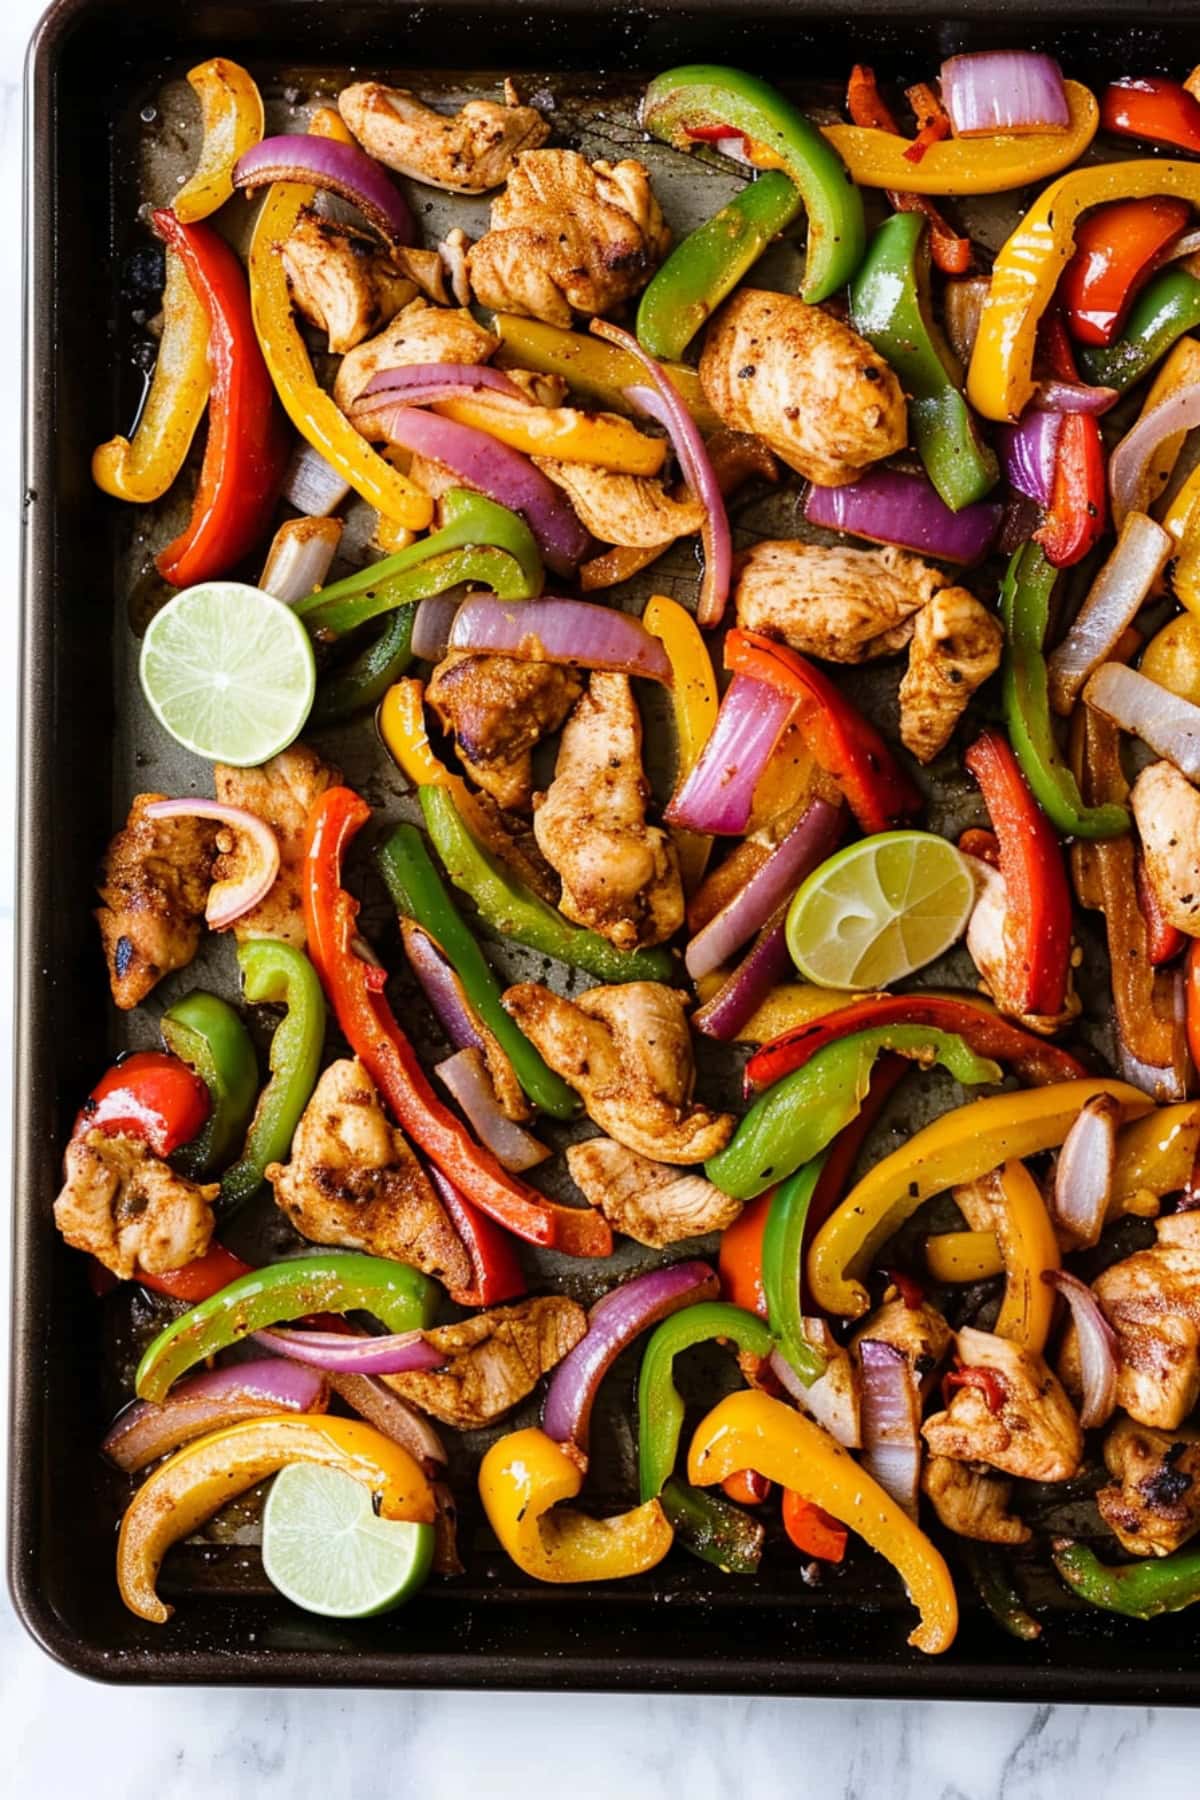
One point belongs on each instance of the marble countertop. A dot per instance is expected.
(60, 1735)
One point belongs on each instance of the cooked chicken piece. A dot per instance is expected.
(919, 1332)
(1152, 1301)
(419, 333)
(627, 1052)
(805, 383)
(452, 253)
(987, 942)
(130, 1209)
(1033, 1434)
(1166, 808)
(624, 509)
(648, 1201)
(1153, 1506)
(353, 1180)
(283, 792)
(497, 708)
(343, 281)
(542, 390)
(620, 876)
(834, 1399)
(973, 1503)
(468, 153)
(956, 645)
(494, 1360)
(842, 605)
(154, 883)
(568, 235)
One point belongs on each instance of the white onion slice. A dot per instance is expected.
(1083, 1178)
(1130, 461)
(466, 1078)
(299, 558)
(1113, 602)
(1164, 721)
(228, 900)
(891, 1422)
(1098, 1352)
(833, 1400)
(311, 486)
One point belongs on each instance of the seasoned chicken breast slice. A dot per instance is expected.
(627, 1052)
(493, 1360)
(1034, 1433)
(646, 1200)
(1153, 1505)
(343, 281)
(153, 887)
(956, 645)
(919, 1332)
(631, 510)
(353, 1180)
(130, 1209)
(987, 942)
(972, 1502)
(805, 383)
(497, 708)
(620, 875)
(467, 152)
(282, 792)
(419, 333)
(1166, 808)
(839, 604)
(568, 236)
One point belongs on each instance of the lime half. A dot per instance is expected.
(229, 672)
(880, 909)
(324, 1548)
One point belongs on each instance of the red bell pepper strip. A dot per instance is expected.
(739, 1260)
(908, 1287)
(1151, 107)
(746, 1487)
(197, 1280)
(1038, 915)
(495, 1267)
(354, 989)
(868, 109)
(1117, 249)
(247, 450)
(812, 1530)
(849, 749)
(1079, 499)
(1164, 941)
(150, 1095)
(1192, 989)
(1032, 1058)
(933, 121)
(985, 1381)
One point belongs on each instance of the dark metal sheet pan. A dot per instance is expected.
(104, 130)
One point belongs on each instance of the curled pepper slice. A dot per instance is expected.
(1152, 107)
(521, 1479)
(231, 111)
(959, 1147)
(660, 1404)
(694, 702)
(1029, 1247)
(199, 1479)
(752, 1431)
(276, 973)
(207, 1034)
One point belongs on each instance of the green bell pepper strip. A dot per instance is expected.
(700, 97)
(782, 1249)
(480, 541)
(1140, 1590)
(989, 1572)
(659, 1403)
(512, 910)
(890, 307)
(1025, 609)
(364, 681)
(278, 973)
(418, 892)
(208, 1035)
(713, 1528)
(708, 264)
(327, 1281)
(1165, 309)
(794, 1120)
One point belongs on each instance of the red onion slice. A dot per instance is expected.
(1028, 453)
(335, 168)
(894, 508)
(766, 963)
(299, 558)
(622, 1315)
(1130, 461)
(1169, 724)
(811, 839)
(442, 987)
(465, 1077)
(577, 632)
(399, 1353)
(1083, 1177)
(1076, 397)
(891, 1422)
(382, 1407)
(228, 900)
(421, 384)
(431, 627)
(1098, 1355)
(311, 486)
(718, 794)
(993, 91)
(833, 1399)
(1113, 602)
(247, 1390)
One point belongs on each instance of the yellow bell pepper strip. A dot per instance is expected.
(1000, 380)
(597, 371)
(559, 431)
(960, 166)
(1155, 1157)
(231, 110)
(1029, 1247)
(694, 700)
(522, 1477)
(1182, 521)
(313, 412)
(749, 1430)
(961, 1256)
(143, 470)
(202, 1477)
(1172, 657)
(793, 1004)
(402, 727)
(1181, 369)
(959, 1147)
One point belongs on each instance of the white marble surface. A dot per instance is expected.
(60, 1735)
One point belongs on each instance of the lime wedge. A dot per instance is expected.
(229, 672)
(324, 1548)
(880, 909)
